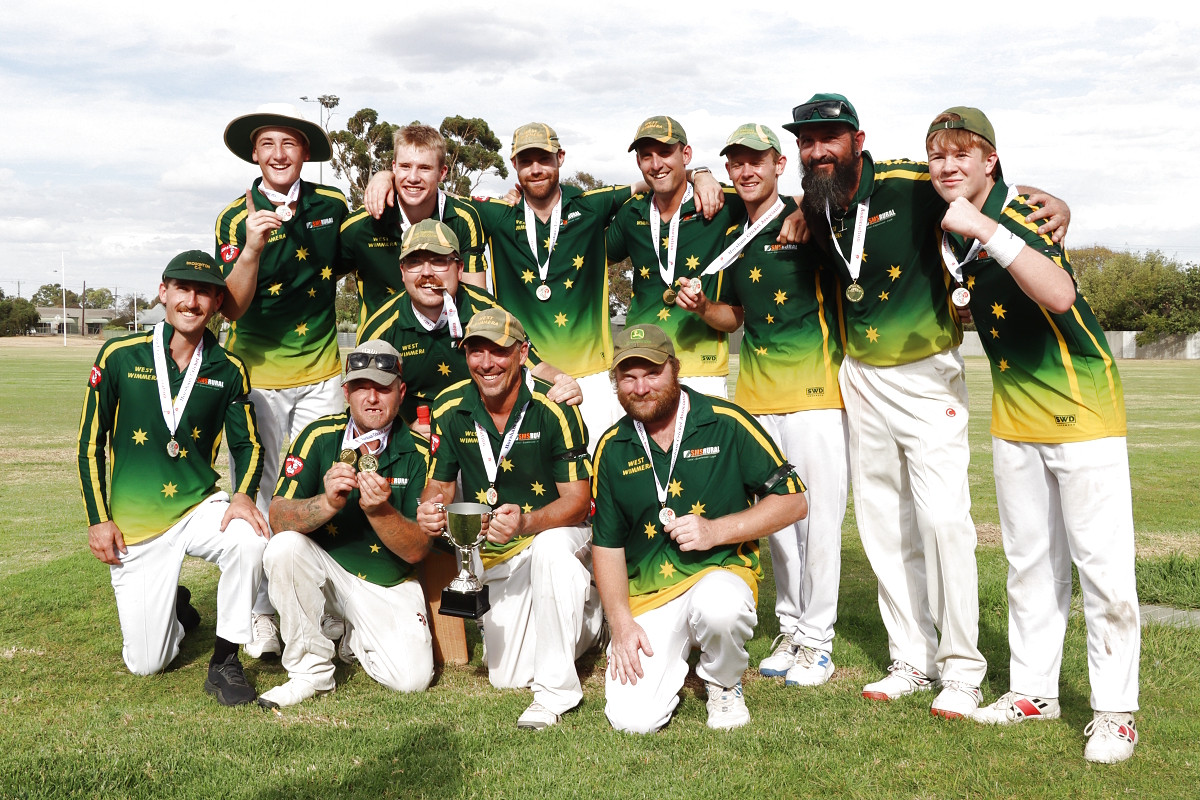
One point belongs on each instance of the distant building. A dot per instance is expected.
(51, 321)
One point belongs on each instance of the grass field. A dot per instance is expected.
(74, 723)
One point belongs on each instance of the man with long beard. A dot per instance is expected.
(675, 536)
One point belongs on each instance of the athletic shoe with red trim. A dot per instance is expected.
(956, 700)
(1013, 707)
(1113, 736)
(902, 679)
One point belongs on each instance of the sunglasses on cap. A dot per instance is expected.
(383, 361)
(825, 109)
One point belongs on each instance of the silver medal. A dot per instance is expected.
(666, 515)
(543, 292)
(173, 448)
(284, 212)
(961, 297)
(694, 285)
(492, 496)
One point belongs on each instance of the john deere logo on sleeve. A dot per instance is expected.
(1064, 419)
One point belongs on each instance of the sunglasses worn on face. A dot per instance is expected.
(384, 361)
(436, 263)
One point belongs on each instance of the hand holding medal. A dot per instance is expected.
(259, 224)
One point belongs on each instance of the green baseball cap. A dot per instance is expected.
(535, 136)
(240, 134)
(754, 136)
(643, 341)
(495, 325)
(823, 107)
(660, 129)
(428, 234)
(972, 119)
(194, 265)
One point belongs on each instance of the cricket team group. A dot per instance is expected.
(628, 494)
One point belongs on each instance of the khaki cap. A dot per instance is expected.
(643, 341)
(535, 136)
(660, 129)
(371, 370)
(495, 325)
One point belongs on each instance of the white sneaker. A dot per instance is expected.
(813, 667)
(902, 679)
(726, 707)
(782, 658)
(332, 628)
(956, 700)
(266, 637)
(1113, 736)
(536, 717)
(292, 693)
(1013, 707)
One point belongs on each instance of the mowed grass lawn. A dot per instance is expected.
(75, 723)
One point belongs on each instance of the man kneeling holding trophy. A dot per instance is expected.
(347, 544)
(525, 458)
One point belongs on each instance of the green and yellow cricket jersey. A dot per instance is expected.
(348, 537)
(1053, 375)
(550, 448)
(701, 350)
(725, 460)
(371, 248)
(793, 340)
(906, 314)
(432, 359)
(572, 327)
(148, 491)
(288, 336)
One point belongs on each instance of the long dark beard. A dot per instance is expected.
(820, 189)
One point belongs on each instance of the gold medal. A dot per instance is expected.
(368, 463)
(669, 297)
(348, 456)
(854, 292)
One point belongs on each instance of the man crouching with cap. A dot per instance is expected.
(176, 389)
(347, 543)
(526, 456)
(676, 547)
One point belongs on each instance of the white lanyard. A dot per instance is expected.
(282, 201)
(680, 417)
(854, 265)
(172, 412)
(531, 235)
(448, 316)
(506, 445)
(668, 273)
(352, 441)
(722, 261)
(953, 264)
(405, 224)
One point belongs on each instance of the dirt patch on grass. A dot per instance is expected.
(1155, 545)
(988, 534)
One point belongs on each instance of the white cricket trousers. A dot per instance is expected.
(387, 626)
(545, 613)
(281, 414)
(146, 582)
(806, 556)
(716, 615)
(713, 385)
(908, 463)
(600, 408)
(1062, 504)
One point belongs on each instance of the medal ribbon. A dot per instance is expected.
(172, 412)
(531, 235)
(854, 265)
(278, 198)
(449, 316)
(506, 444)
(680, 417)
(351, 440)
(954, 265)
(722, 261)
(668, 273)
(405, 224)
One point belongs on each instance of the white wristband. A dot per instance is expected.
(1004, 246)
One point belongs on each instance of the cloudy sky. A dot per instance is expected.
(112, 158)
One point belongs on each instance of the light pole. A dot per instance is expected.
(326, 103)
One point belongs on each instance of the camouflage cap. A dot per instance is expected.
(495, 325)
(643, 341)
(428, 234)
(194, 265)
(754, 136)
(660, 129)
(535, 136)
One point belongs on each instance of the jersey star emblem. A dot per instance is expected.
(1003, 365)
(568, 283)
(169, 489)
(644, 272)
(527, 276)
(873, 334)
(374, 548)
(770, 319)
(995, 333)
(667, 569)
(302, 254)
(528, 509)
(650, 530)
(444, 369)
(998, 311)
(331, 529)
(481, 496)
(560, 319)
(312, 292)
(195, 434)
(139, 436)
(274, 288)
(666, 241)
(675, 488)
(664, 314)
(762, 351)
(362, 577)
(697, 509)
(506, 464)
(302, 329)
(578, 262)
(970, 282)
(692, 262)
(183, 452)
(894, 271)
(883, 295)
(755, 274)
(390, 290)
(780, 297)
(326, 273)
(537, 488)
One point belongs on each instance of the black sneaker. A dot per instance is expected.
(228, 684)
(185, 612)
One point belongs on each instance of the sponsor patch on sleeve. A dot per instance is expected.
(94, 378)
(293, 466)
(434, 441)
(229, 252)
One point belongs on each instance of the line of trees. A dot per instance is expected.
(1149, 293)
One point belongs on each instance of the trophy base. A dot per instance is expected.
(467, 606)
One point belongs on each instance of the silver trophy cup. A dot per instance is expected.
(466, 596)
